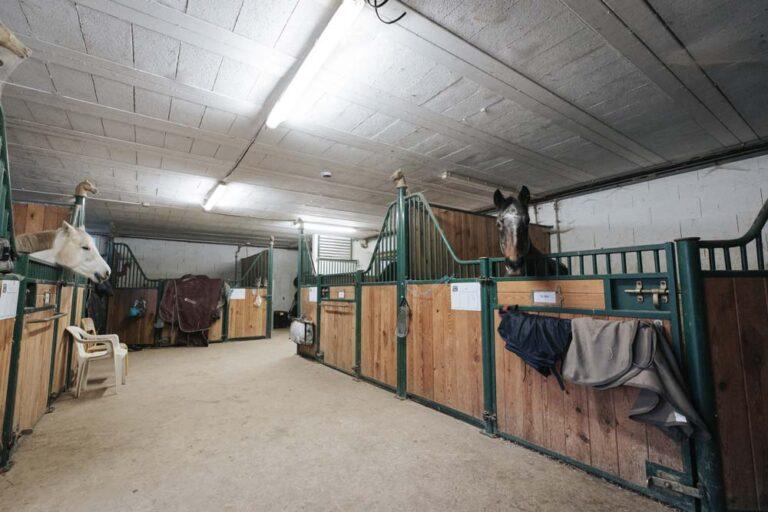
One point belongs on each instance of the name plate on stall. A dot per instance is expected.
(237, 294)
(9, 298)
(313, 295)
(465, 296)
(546, 297)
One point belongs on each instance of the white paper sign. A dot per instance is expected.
(313, 295)
(341, 294)
(9, 297)
(237, 294)
(547, 297)
(465, 296)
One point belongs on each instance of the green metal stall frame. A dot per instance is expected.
(412, 249)
(259, 274)
(30, 273)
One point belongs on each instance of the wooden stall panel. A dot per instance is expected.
(444, 350)
(215, 332)
(582, 423)
(34, 370)
(6, 342)
(62, 341)
(378, 351)
(132, 331)
(738, 335)
(247, 319)
(35, 217)
(576, 293)
(309, 311)
(337, 329)
(476, 236)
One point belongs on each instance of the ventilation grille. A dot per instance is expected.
(334, 248)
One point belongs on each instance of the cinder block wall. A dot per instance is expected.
(716, 202)
(165, 259)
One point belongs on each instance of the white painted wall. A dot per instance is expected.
(716, 202)
(166, 259)
(361, 254)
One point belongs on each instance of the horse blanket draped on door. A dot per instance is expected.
(191, 302)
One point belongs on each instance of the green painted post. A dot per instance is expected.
(270, 260)
(318, 316)
(22, 267)
(709, 470)
(489, 377)
(51, 393)
(358, 321)
(402, 275)
(298, 274)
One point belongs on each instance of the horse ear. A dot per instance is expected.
(498, 199)
(68, 227)
(525, 196)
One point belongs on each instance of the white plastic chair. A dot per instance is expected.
(107, 346)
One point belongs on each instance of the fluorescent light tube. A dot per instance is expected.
(328, 228)
(214, 196)
(325, 45)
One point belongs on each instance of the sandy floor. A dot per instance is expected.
(249, 426)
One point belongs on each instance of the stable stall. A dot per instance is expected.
(422, 321)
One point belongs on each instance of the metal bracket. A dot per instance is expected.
(664, 481)
(660, 294)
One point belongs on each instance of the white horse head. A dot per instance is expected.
(74, 249)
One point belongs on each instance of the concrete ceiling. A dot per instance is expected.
(157, 100)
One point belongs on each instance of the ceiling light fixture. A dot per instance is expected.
(214, 196)
(334, 31)
(475, 183)
(325, 228)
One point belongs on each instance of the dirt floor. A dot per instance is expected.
(249, 426)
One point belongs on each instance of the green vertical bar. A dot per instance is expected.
(402, 275)
(13, 371)
(53, 342)
(709, 471)
(358, 320)
(270, 261)
(489, 377)
(318, 314)
(300, 268)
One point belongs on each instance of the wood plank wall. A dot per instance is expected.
(308, 311)
(584, 424)
(34, 217)
(337, 329)
(132, 331)
(444, 350)
(246, 320)
(476, 236)
(6, 342)
(62, 341)
(34, 370)
(378, 351)
(737, 312)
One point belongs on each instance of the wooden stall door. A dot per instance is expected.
(582, 423)
(246, 319)
(35, 217)
(6, 342)
(378, 351)
(737, 313)
(34, 370)
(62, 341)
(337, 329)
(308, 311)
(445, 362)
(132, 331)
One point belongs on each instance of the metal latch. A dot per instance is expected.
(673, 485)
(659, 294)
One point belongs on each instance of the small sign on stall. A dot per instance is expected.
(545, 297)
(9, 298)
(465, 296)
(237, 294)
(313, 295)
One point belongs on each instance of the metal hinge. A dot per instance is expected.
(669, 483)
(660, 294)
(489, 416)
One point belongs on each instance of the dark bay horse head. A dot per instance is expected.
(512, 220)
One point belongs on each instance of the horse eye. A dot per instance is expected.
(86, 248)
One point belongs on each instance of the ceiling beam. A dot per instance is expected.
(87, 63)
(637, 32)
(171, 22)
(439, 44)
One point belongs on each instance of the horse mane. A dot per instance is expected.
(34, 242)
